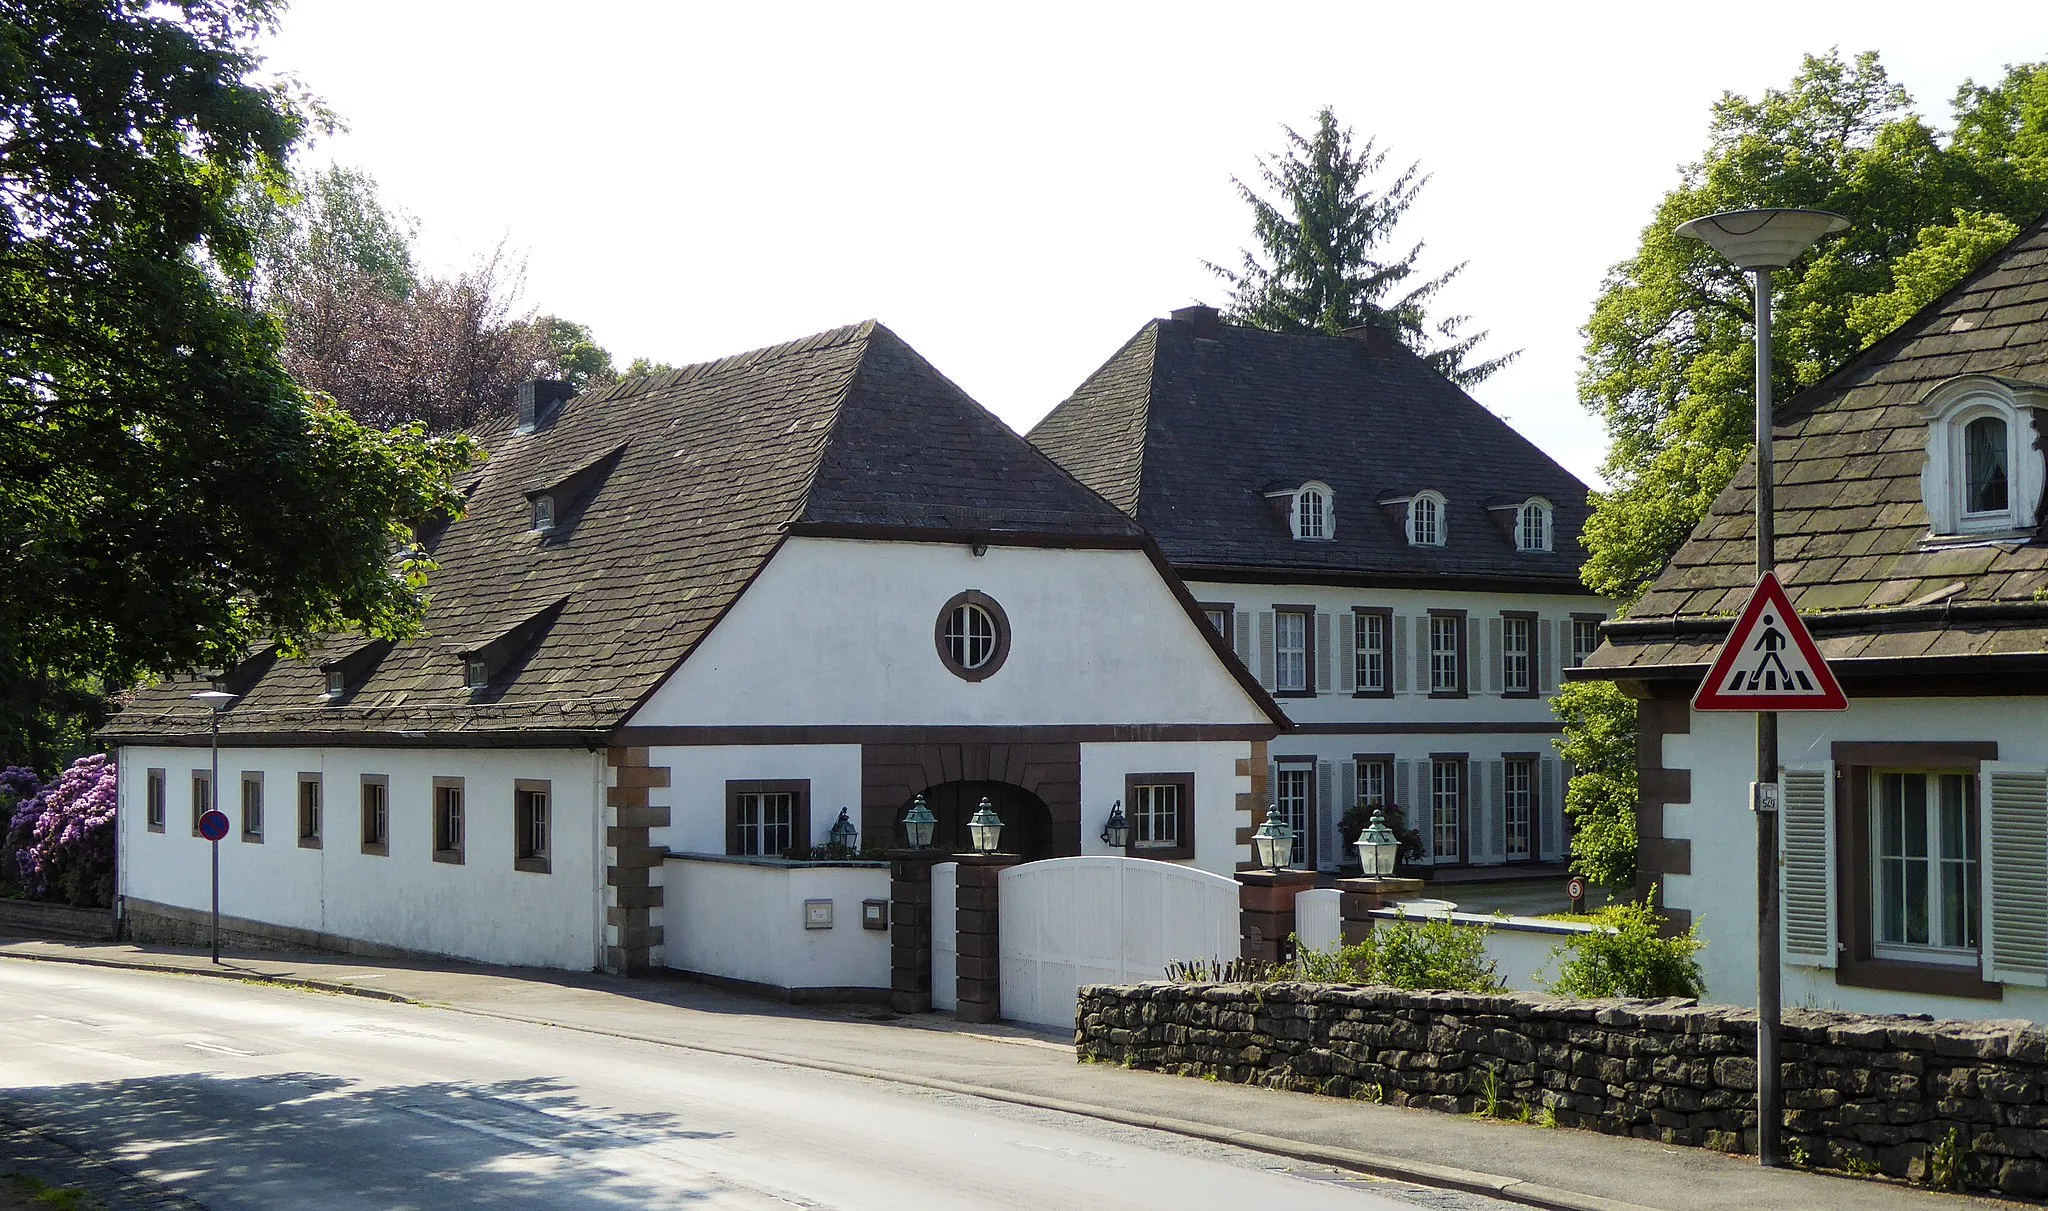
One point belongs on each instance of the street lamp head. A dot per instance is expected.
(985, 828)
(1762, 239)
(918, 824)
(214, 698)
(1274, 840)
(1117, 832)
(1378, 848)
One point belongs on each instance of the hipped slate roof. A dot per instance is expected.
(848, 431)
(1192, 423)
(1852, 530)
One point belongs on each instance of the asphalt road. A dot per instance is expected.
(239, 1095)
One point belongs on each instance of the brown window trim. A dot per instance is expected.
(1229, 631)
(538, 865)
(996, 615)
(1310, 847)
(1386, 617)
(1184, 828)
(1565, 643)
(382, 848)
(1464, 689)
(1535, 655)
(799, 816)
(199, 804)
(1855, 964)
(1308, 650)
(156, 785)
(253, 777)
(454, 855)
(310, 841)
(1535, 761)
(1464, 761)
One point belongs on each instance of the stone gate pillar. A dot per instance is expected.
(1265, 900)
(910, 929)
(1362, 896)
(980, 935)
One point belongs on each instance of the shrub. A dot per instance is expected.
(1359, 815)
(1432, 953)
(1222, 971)
(1630, 956)
(18, 786)
(65, 835)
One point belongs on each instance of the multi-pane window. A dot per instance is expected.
(970, 635)
(1446, 806)
(544, 513)
(1158, 816)
(1370, 655)
(1219, 617)
(1311, 514)
(530, 826)
(1373, 783)
(376, 814)
(765, 824)
(448, 820)
(1517, 655)
(1585, 638)
(154, 793)
(1425, 523)
(337, 683)
(1446, 643)
(309, 809)
(1291, 796)
(1532, 527)
(202, 797)
(252, 806)
(1984, 466)
(1518, 786)
(476, 672)
(1924, 848)
(1290, 650)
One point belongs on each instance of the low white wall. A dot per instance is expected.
(1217, 785)
(1520, 947)
(695, 794)
(743, 919)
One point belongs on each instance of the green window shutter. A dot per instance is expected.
(1544, 664)
(1495, 655)
(1324, 825)
(1806, 852)
(1551, 813)
(1242, 633)
(1323, 646)
(1347, 798)
(2014, 852)
(1400, 656)
(1404, 793)
(1346, 655)
(1497, 811)
(1266, 648)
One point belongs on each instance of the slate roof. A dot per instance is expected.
(1192, 423)
(845, 431)
(1853, 542)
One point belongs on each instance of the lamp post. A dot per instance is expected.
(985, 828)
(1757, 242)
(218, 702)
(918, 824)
(1378, 847)
(1274, 840)
(1117, 832)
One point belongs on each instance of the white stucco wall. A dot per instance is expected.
(482, 909)
(840, 632)
(695, 794)
(1217, 785)
(744, 920)
(1720, 891)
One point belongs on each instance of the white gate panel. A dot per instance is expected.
(945, 936)
(1319, 918)
(1102, 920)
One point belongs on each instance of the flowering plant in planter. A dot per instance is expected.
(1359, 815)
(62, 837)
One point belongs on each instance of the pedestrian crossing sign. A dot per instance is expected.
(1769, 662)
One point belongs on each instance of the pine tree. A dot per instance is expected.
(1320, 266)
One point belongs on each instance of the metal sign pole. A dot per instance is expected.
(1769, 1099)
(213, 787)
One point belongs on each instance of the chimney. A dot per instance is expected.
(539, 400)
(1203, 319)
(1380, 339)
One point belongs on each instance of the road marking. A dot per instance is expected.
(223, 1050)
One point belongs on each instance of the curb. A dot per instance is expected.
(1470, 1181)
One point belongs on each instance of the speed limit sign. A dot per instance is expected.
(1576, 888)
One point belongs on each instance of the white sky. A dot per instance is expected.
(1016, 189)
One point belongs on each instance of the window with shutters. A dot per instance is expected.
(1447, 653)
(155, 791)
(1312, 514)
(1518, 801)
(1375, 781)
(1447, 808)
(1371, 652)
(1924, 876)
(450, 820)
(1426, 520)
(1585, 637)
(1518, 655)
(1294, 795)
(1291, 650)
(309, 811)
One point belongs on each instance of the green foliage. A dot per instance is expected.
(1668, 361)
(1547, 1117)
(1222, 971)
(1945, 1161)
(1429, 953)
(1489, 1094)
(1322, 264)
(174, 498)
(1631, 957)
(1599, 743)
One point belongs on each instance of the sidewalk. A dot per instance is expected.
(1578, 1170)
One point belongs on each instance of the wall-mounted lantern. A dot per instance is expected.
(985, 828)
(1117, 833)
(844, 835)
(919, 824)
(1378, 847)
(1274, 840)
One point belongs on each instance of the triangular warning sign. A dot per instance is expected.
(1769, 662)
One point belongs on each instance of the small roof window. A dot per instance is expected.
(1983, 475)
(544, 513)
(1426, 519)
(1532, 525)
(1313, 514)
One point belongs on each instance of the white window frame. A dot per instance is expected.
(1369, 652)
(1582, 652)
(1375, 781)
(1313, 512)
(337, 683)
(543, 513)
(1518, 807)
(1298, 809)
(311, 808)
(1950, 408)
(1426, 527)
(476, 672)
(1446, 807)
(965, 627)
(1937, 857)
(1517, 661)
(1156, 822)
(753, 826)
(451, 816)
(1290, 663)
(1446, 676)
(1532, 525)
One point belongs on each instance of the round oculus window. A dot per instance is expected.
(973, 635)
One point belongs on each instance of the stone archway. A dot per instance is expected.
(1049, 772)
(1027, 824)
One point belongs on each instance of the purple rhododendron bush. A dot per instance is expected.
(60, 843)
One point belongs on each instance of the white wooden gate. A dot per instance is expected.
(945, 936)
(1073, 921)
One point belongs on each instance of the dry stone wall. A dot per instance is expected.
(1861, 1092)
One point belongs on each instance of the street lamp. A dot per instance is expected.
(844, 835)
(918, 824)
(1117, 832)
(1758, 241)
(218, 702)
(1274, 840)
(1377, 848)
(985, 828)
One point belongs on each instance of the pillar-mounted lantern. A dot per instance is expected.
(919, 824)
(1378, 847)
(985, 828)
(1274, 840)
(843, 834)
(1117, 833)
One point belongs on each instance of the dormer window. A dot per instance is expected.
(1426, 520)
(337, 683)
(1532, 525)
(544, 514)
(1984, 471)
(476, 672)
(1312, 515)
